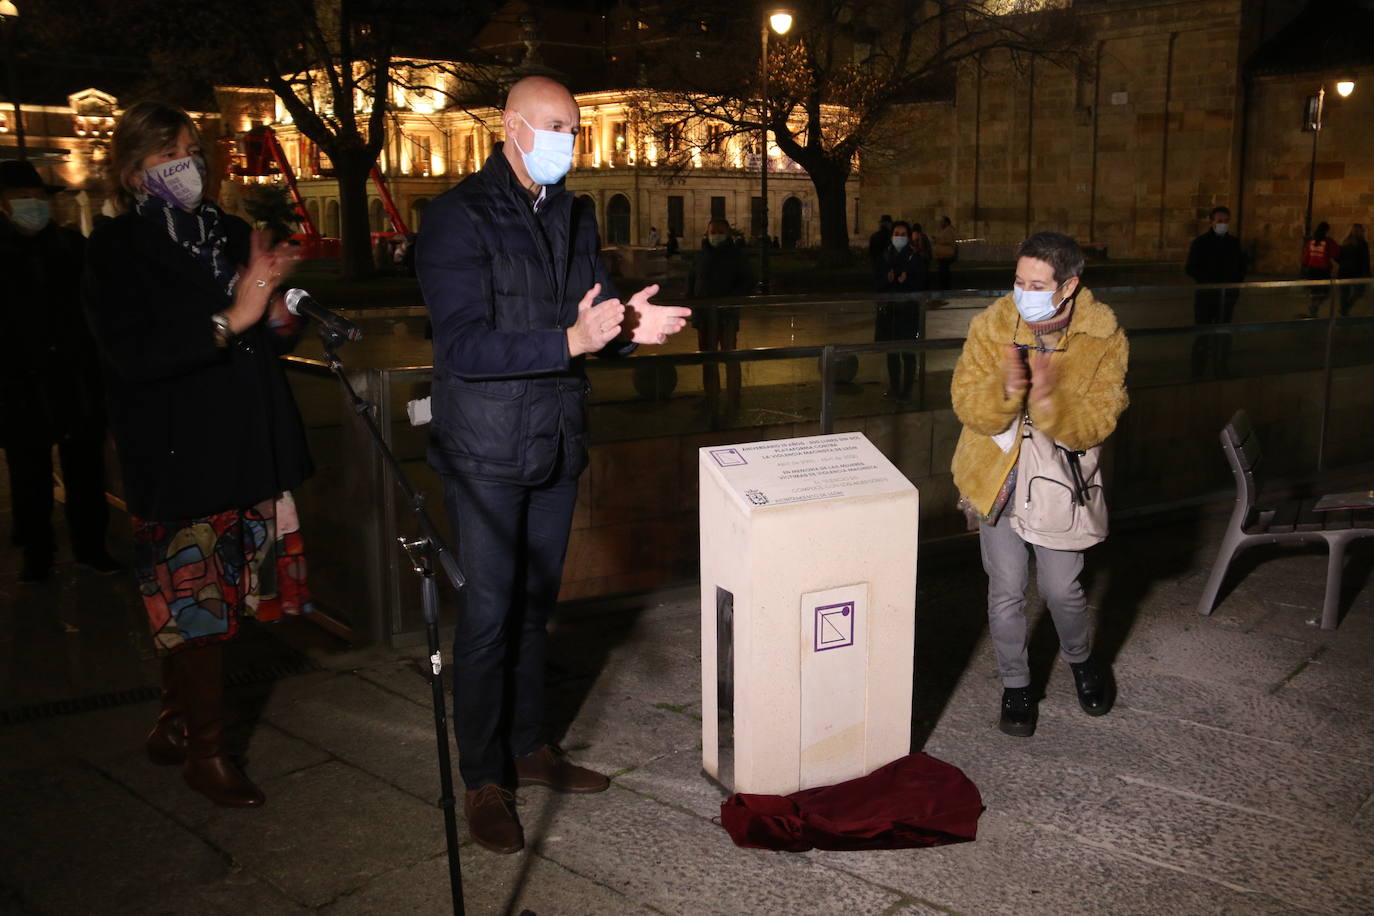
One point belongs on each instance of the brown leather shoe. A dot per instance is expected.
(549, 767)
(490, 811)
(218, 779)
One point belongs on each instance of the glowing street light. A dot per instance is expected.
(1315, 109)
(779, 20)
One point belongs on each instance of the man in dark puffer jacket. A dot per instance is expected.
(509, 262)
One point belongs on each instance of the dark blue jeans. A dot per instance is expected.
(511, 544)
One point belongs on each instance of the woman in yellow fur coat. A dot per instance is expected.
(1053, 353)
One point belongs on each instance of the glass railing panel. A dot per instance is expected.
(335, 509)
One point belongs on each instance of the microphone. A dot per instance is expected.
(299, 303)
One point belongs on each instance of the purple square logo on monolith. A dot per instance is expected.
(835, 626)
(728, 457)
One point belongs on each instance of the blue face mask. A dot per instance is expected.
(1036, 304)
(551, 157)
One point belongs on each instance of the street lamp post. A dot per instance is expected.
(778, 20)
(8, 13)
(1343, 88)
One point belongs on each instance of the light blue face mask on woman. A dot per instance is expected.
(551, 157)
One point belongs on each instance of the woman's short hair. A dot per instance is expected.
(144, 128)
(1057, 250)
(904, 224)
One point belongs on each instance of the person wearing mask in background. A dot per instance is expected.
(1215, 256)
(898, 320)
(1320, 256)
(722, 270)
(511, 270)
(1354, 261)
(50, 392)
(184, 302)
(1053, 356)
(946, 249)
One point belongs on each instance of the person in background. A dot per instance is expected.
(184, 302)
(1321, 255)
(653, 237)
(877, 245)
(899, 320)
(722, 270)
(50, 391)
(671, 247)
(1052, 353)
(946, 249)
(1215, 256)
(1354, 261)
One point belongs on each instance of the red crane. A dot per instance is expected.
(263, 155)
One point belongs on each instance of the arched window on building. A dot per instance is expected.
(376, 216)
(331, 218)
(617, 230)
(587, 201)
(312, 206)
(417, 212)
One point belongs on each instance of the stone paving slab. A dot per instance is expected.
(375, 730)
(1291, 716)
(674, 862)
(491, 885)
(1284, 780)
(327, 831)
(1016, 867)
(1323, 867)
(71, 841)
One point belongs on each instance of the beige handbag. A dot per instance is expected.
(1059, 501)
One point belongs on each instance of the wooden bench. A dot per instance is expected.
(1292, 521)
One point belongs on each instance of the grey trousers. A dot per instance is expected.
(1006, 560)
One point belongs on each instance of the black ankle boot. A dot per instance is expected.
(1019, 712)
(1095, 690)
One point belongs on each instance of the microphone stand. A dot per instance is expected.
(422, 552)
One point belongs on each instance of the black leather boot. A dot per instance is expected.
(1019, 712)
(1096, 692)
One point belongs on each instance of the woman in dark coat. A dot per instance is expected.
(184, 304)
(900, 270)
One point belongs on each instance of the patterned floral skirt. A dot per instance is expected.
(199, 576)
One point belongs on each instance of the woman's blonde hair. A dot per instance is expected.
(144, 128)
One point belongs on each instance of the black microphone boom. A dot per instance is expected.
(298, 302)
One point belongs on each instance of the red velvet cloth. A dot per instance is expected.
(913, 801)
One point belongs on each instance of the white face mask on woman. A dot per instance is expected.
(180, 182)
(900, 241)
(1036, 304)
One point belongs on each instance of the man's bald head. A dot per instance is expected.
(546, 104)
(535, 103)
